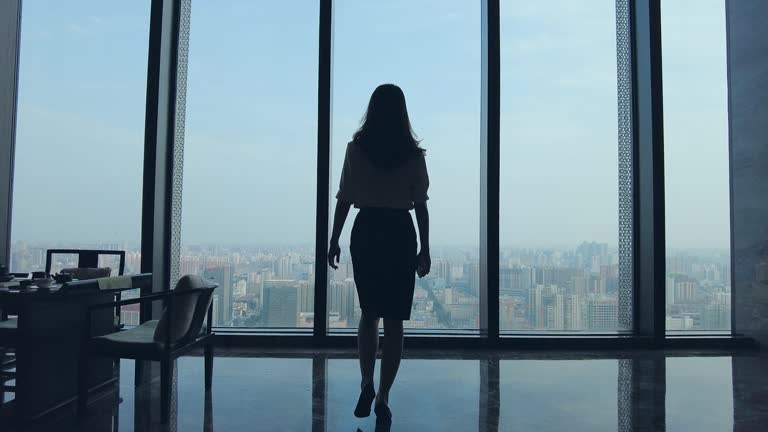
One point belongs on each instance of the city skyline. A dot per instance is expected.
(571, 290)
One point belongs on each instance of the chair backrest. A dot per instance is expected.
(201, 311)
(86, 258)
(188, 310)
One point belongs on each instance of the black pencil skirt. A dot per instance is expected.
(383, 249)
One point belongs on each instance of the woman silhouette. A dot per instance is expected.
(385, 176)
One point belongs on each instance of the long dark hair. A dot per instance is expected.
(385, 132)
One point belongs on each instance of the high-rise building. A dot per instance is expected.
(510, 314)
(216, 310)
(283, 267)
(582, 285)
(536, 309)
(670, 291)
(132, 262)
(474, 278)
(685, 292)
(717, 316)
(602, 314)
(515, 281)
(189, 265)
(557, 319)
(442, 269)
(239, 288)
(222, 275)
(281, 303)
(341, 299)
(306, 297)
(575, 313)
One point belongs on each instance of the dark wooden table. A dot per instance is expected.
(52, 326)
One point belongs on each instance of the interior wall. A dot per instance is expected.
(9, 62)
(748, 117)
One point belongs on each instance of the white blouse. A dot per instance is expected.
(365, 185)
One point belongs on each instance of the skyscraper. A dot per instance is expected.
(575, 313)
(342, 298)
(514, 281)
(685, 292)
(474, 278)
(557, 313)
(283, 267)
(536, 308)
(306, 296)
(442, 269)
(281, 303)
(190, 265)
(222, 275)
(602, 314)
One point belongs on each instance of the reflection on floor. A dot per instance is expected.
(448, 391)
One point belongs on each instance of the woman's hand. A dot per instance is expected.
(334, 251)
(423, 263)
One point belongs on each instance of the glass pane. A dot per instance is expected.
(696, 166)
(414, 409)
(699, 394)
(433, 54)
(547, 395)
(62, 261)
(560, 150)
(250, 160)
(80, 132)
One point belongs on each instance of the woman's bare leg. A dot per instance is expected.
(390, 358)
(367, 346)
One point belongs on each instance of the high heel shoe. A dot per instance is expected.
(367, 395)
(383, 416)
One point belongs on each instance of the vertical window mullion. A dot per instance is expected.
(323, 168)
(648, 137)
(489, 172)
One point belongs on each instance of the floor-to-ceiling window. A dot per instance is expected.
(250, 176)
(250, 160)
(696, 170)
(80, 132)
(561, 144)
(432, 51)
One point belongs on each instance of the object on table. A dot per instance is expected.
(62, 277)
(43, 283)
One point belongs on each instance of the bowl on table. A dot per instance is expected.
(43, 283)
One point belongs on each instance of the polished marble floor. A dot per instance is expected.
(448, 391)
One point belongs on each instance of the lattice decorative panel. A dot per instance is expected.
(178, 145)
(626, 230)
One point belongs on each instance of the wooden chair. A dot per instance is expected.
(180, 329)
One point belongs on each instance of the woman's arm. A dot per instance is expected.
(422, 220)
(339, 217)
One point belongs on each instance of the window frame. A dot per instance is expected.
(163, 170)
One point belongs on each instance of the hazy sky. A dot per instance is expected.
(250, 155)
